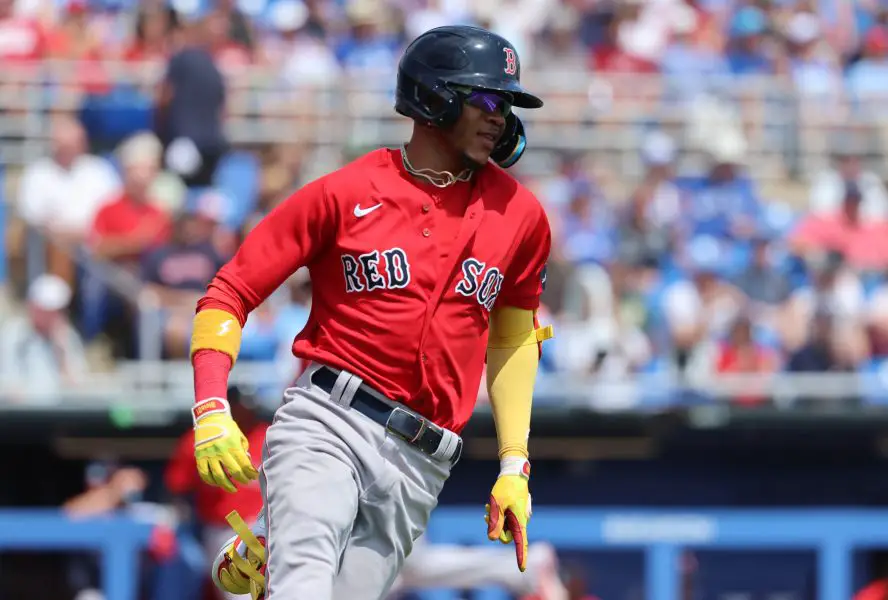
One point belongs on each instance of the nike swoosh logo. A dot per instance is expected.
(362, 212)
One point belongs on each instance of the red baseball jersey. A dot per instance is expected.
(404, 275)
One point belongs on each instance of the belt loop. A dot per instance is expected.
(351, 388)
(448, 446)
(336, 394)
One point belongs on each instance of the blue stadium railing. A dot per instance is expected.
(661, 535)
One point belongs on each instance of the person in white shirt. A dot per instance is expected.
(63, 192)
(41, 353)
(827, 190)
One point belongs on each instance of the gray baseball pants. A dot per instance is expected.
(344, 500)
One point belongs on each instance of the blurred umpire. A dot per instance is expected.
(210, 503)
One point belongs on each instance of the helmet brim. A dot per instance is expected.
(521, 97)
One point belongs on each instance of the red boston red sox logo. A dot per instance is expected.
(511, 61)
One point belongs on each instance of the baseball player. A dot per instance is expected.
(425, 261)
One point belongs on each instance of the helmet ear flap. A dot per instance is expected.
(512, 145)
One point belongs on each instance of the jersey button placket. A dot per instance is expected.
(426, 232)
(426, 208)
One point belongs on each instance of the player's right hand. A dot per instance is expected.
(220, 448)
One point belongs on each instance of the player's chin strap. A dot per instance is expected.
(441, 179)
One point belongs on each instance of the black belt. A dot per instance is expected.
(411, 428)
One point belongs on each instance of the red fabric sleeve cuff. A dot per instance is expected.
(211, 369)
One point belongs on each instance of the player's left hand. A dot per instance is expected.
(509, 507)
(220, 448)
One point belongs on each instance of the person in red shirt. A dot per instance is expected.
(152, 42)
(741, 354)
(610, 57)
(212, 504)
(425, 261)
(124, 229)
(22, 40)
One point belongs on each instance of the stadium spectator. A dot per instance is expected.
(600, 337)
(747, 52)
(761, 280)
(831, 346)
(152, 42)
(610, 55)
(422, 15)
(699, 308)
(813, 64)
(123, 231)
(132, 224)
(73, 38)
(190, 106)
(21, 36)
(304, 59)
(724, 203)
(63, 192)
(520, 21)
(41, 354)
(741, 353)
(239, 28)
(833, 288)
(868, 77)
(587, 225)
(367, 46)
(109, 488)
(653, 217)
(231, 54)
(642, 228)
(561, 50)
(60, 194)
(830, 186)
(877, 319)
(178, 272)
(863, 245)
(690, 66)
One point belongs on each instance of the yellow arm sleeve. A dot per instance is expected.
(512, 361)
(216, 329)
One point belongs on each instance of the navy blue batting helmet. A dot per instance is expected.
(441, 61)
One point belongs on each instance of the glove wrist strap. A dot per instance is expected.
(209, 406)
(515, 465)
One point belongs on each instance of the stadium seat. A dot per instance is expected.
(110, 118)
(237, 176)
(874, 381)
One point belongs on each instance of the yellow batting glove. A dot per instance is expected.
(509, 507)
(220, 448)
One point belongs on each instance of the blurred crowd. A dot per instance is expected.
(688, 274)
(818, 44)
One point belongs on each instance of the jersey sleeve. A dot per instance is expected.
(525, 278)
(288, 238)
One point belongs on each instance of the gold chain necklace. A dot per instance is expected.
(440, 179)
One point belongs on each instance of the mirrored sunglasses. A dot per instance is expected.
(490, 102)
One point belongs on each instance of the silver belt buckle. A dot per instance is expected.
(400, 416)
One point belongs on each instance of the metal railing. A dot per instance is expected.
(156, 387)
(116, 279)
(787, 133)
